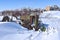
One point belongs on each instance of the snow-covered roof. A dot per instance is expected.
(32, 14)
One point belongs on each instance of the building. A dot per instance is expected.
(52, 8)
(47, 8)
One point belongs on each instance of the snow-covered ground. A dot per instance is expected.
(14, 31)
(52, 18)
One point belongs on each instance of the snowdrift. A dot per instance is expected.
(10, 28)
(52, 18)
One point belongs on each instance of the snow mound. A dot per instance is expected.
(10, 28)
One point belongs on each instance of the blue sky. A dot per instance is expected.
(17, 4)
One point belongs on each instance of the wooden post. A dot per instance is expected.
(36, 22)
(31, 19)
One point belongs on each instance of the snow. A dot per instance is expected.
(52, 19)
(1, 17)
(14, 31)
(10, 28)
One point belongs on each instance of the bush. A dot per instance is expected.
(5, 18)
(43, 28)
